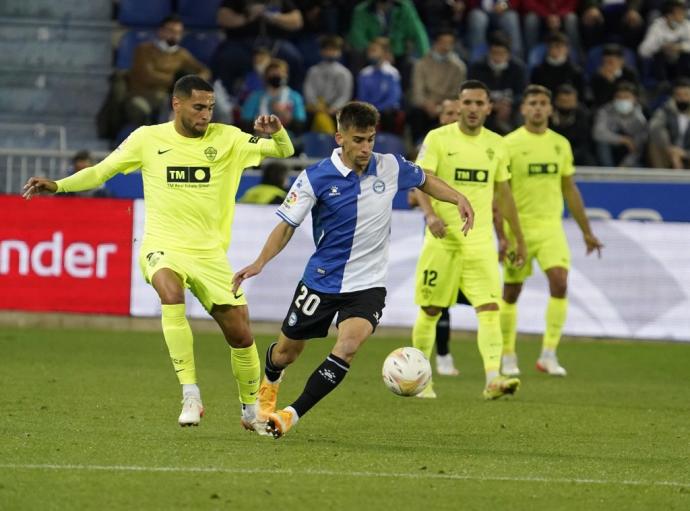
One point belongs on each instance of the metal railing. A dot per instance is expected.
(17, 165)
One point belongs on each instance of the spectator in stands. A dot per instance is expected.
(572, 119)
(506, 78)
(610, 73)
(667, 43)
(272, 189)
(395, 19)
(379, 84)
(80, 161)
(604, 21)
(437, 15)
(155, 67)
(557, 68)
(277, 98)
(546, 16)
(436, 76)
(328, 86)
(252, 23)
(485, 16)
(254, 80)
(669, 136)
(620, 129)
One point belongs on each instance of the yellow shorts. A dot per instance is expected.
(441, 272)
(548, 246)
(207, 275)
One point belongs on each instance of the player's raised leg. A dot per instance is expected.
(234, 323)
(556, 313)
(180, 342)
(352, 332)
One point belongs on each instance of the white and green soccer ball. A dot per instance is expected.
(406, 371)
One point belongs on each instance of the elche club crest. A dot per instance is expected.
(211, 153)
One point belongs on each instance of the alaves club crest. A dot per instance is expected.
(490, 153)
(211, 153)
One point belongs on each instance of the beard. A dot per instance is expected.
(199, 132)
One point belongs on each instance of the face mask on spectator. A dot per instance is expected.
(682, 106)
(439, 57)
(275, 81)
(556, 61)
(498, 66)
(623, 106)
(167, 46)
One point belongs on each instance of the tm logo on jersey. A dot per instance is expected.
(540, 169)
(189, 174)
(472, 175)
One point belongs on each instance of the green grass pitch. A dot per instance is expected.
(88, 420)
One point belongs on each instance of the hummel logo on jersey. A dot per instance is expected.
(472, 175)
(163, 152)
(189, 174)
(538, 169)
(334, 191)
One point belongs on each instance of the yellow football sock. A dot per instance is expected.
(424, 332)
(489, 340)
(508, 326)
(556, 312)
(178, 337)
(245, 367)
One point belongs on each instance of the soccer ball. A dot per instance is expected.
(406, 371)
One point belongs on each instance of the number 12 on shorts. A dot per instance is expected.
(430, 278)
(307, 303)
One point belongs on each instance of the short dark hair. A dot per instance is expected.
(557, 37)
(625, 86)
(499, 38)
(443, 31)
(681, 82)
(670, 5)
(274, 173)
(359, 115)
(170, 18)
(81, 155)
(331, 41)
(534, 89)
(474, 84)
(185, 85)
(612, 50)
(566, 88)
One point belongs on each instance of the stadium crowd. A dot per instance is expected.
(619, 70)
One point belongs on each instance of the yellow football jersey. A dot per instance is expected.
(189, 183)
(471, 165)
(537, 163)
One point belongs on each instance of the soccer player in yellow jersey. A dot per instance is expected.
(473, 160)
(191, 169)
(541, 164)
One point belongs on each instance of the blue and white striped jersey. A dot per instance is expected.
(351, 218)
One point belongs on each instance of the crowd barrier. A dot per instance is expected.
(80, 255)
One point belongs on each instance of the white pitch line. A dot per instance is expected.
(390, 475)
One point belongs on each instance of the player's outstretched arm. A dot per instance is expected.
(438, 189)
(275, 243)
(282, 145)
(436, 225)
(506, 205)
(37, 186)
(577, 209)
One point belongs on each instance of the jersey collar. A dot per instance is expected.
(337, 162)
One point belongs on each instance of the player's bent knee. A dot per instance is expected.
(430, 310)
(487, 307)
(511, 292)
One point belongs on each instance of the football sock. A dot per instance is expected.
(489, 340)
(443, 333)
(322, 381)
(556, 312)
(423, 332)
(247, 371)
(508, 326)
(178, 337)
(191, 390)
(271, 370)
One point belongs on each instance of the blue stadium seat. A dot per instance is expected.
(536, 56)
(148, 13)
(129, 41)
(389, 143)
(478, 53)
(318, 145)
(199, 14)
(594, 56)
(202, 45)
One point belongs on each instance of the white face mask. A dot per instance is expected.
(166, 47)
(558, 61)
(623, 106)
(498, 66)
